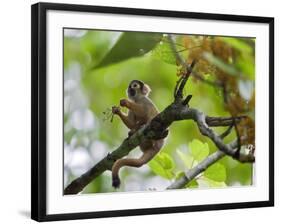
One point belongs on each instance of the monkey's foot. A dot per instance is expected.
(116, 182)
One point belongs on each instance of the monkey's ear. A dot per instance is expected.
(146, 89)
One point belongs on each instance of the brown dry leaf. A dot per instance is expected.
(246, 128)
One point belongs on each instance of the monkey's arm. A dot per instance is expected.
(145, 158)
(138, 109)
(124, 117)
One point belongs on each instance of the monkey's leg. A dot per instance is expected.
(145, 158)
(126, 120)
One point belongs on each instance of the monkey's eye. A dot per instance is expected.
(135, 85)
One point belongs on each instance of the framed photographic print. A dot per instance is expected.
(139, 111)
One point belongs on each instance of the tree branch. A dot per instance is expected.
(200, 118)
(201, 167)
(172, 43)
(222, 121)
(192, 173)
(106, 163)
(227, 132)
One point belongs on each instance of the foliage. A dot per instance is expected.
(129, 45)
(98, 65)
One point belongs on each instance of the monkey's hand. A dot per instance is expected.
(124, 103)
(116, 110)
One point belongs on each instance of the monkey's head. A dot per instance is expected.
(137, 89)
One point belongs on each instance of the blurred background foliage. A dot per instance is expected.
(98, 65)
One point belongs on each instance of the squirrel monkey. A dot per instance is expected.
(141, 111)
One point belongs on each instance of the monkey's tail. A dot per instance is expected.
(147, 156)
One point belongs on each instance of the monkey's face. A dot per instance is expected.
(137, 88)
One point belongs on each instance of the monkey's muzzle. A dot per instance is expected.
(132, 92)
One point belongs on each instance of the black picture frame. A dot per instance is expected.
(39, 108)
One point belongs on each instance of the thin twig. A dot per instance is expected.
(179, 94)
(174, 49)
(227, 132)
(199, 168)
(237, 153)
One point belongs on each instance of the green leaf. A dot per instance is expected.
(246, 64)
(222, 65)
(164, 52)
(179, 175)
(216, 172)
(187, 159)
(129, 45)
(162, 165)
(192, 184)
(238, 44)
(198, 149)
(245, 61)
(212, 183)
(165, 160)
(97, 44)
(158, 169)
